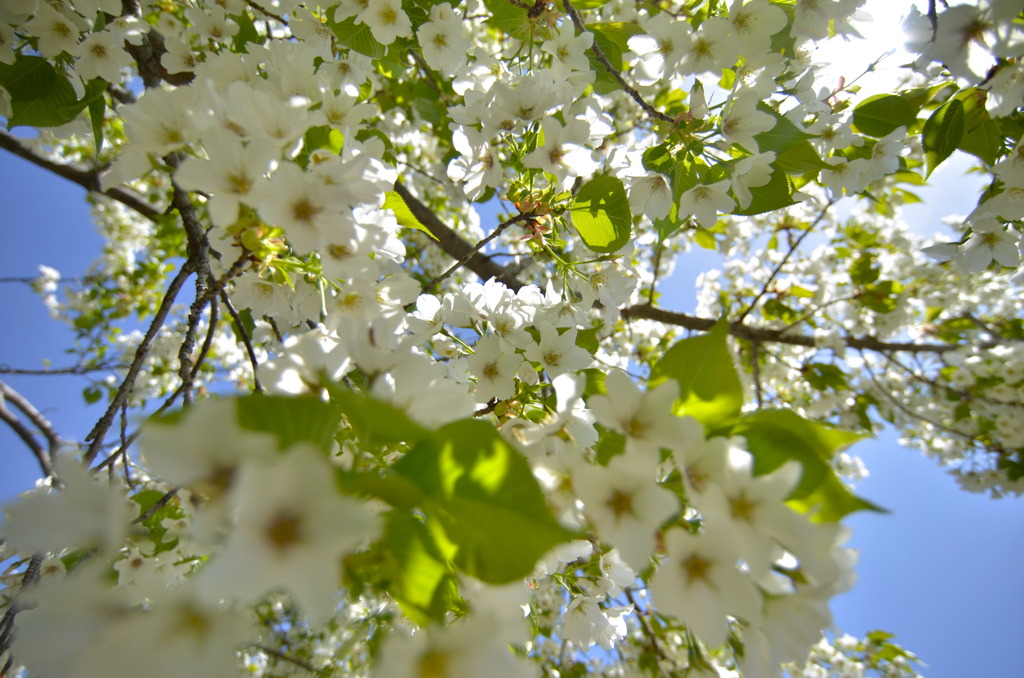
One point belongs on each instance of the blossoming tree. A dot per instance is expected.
(382, 278)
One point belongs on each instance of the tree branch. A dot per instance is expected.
(600, 55)
(778, 268)
(453, 244)
(99, 431)
(87, 179)
(42, 455)
(245, 340)
(761, 334)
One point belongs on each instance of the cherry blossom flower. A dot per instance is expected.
(626, 504)
(714, 48)
(443, 41)
(661, 47)
(700, 582)
(569, 48)
(585, 623)
(494, 369)
(743, 121)
(386, 20)
(55, 32)
(989, 240)
(563, 153)
(705, 201)
(478, 167)
(100, 56)
(754, 23)
(644, 417)
(557, 353)
(292, 527)
(751, 172)
(86, 512)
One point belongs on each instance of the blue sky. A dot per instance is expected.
(941, 570)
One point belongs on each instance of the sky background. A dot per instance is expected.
(942, 570)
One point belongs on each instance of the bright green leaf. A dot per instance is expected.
(376, 422)
(358, 36)
(482, 494)
(293, 419)
(40, 95)
(403, 214)
(776, 194)
(509, 18)
(942, 133)
(709, 387)
(777, 436)
(600, 213)
(879, 115)
(416, 573)
(782, 137)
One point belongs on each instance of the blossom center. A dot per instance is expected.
(620, 503)
(284, 530)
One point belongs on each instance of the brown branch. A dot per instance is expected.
(76, 370)
(87, 179)
(246, 340)
(42, 455)
(198, 249)
(453, 244)
(277, 654)
(525, 216)
(599, 54)
(762, 334)
(99, 431)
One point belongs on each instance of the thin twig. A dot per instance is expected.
(453, 244)
(785, 259)
(99, 431)
(42, 455)
(277, 654)
(600, 55)
(211, 331)
(246, 341)
(524, 216)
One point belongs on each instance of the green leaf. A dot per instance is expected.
(590, 4)
(823, 376)
(613, 36)
(416, 573)
(246, 31)
(863, 271)
(376, 422)
(358, 37)
(97, 109)
(709, 387)
(600, 213)
(777, 436)
(40, 95)
(800, 159)
(509, 18)
(776, 194)
(293, 419)
(983, 140)
(396, 490)
(481, 494)
(879, 115)
(587, 339)
(942, 133)
(784, 136)
(403, 214)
